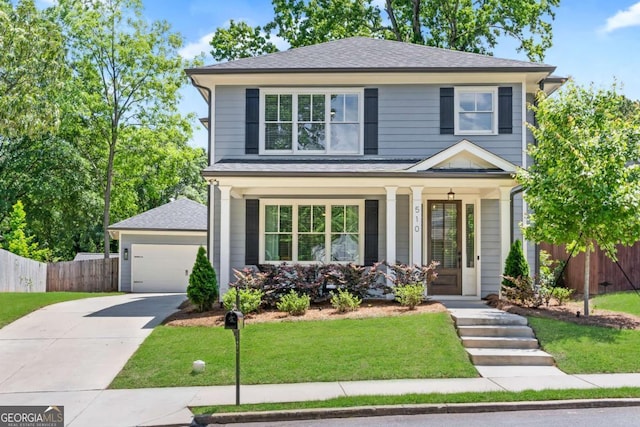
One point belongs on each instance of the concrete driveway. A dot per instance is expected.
(78, 345)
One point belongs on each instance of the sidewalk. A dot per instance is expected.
(168, 406)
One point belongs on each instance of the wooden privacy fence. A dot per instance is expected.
(602, 269)
(18, 274)
(93, 275)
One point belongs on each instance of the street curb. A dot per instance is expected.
(393, 410)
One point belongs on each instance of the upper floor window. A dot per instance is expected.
(476, 110)
(311, 121)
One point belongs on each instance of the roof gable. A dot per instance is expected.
(179, 215)
(464, 155)
(359, 54)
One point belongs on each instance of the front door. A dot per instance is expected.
(445, 246)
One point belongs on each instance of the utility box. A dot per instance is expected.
(234, 320)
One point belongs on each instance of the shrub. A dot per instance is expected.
(522, 292)
(344, 301)
(562, 295)
(294, 304)
(281, 279)
(405, 274)
(410, 295)
(203, 284)
(515, 264)
(250, 300)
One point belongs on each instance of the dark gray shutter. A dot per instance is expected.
(371, 121)
(370, 232)
(505, 110)
(252, 232)
(252, 121)
(446, 110)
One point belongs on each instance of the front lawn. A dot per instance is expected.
(416, 346)
(626, 302)
(582, 349)
(14, 305)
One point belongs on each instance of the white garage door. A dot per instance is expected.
(161, 268)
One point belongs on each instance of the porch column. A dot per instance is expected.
(211, 231)
(391, 224)
(416, 226)
(225, 238)
(505, 226)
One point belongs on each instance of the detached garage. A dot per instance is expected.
(158, 247)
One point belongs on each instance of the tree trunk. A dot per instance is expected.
(107, 200)
(587, 262)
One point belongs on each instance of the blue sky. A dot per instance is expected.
(593, 40)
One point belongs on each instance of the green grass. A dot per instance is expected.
(626, 302)
(14, 305)
(434, 398)
(580, 349)
(416, 346)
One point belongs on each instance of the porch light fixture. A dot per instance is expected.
(451, 195)
(126, 254)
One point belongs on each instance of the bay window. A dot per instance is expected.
(311, 121)
(312, 232)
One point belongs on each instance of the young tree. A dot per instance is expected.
(203, 284)
(464, 25)
(127, 74)
(583, 187)
(16, 239)
(516, 264)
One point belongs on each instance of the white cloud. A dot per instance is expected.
(624, 18)
(193, 49)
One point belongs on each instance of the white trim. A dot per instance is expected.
(524, 124)
(326, 91)
(225, 238)
(505, 224)
(463, 146)
(295, 203)
(211, 223)
(416, 225)
(391, 224)
(493, 90)
(212, 124)
(162, 232)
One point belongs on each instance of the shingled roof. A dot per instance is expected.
(362, 54)
(179, 215)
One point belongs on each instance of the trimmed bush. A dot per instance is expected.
(203, 284)
(250, 300)
(294, 304)
(515, 265)
(344, 301)
(410, 295)
(562, 295)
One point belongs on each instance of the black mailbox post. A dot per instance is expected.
(234, 320)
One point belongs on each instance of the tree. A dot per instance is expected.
(127, 73)
(32, 69)
(16, 239)
(516, 264)
(464, 25)
(583, 187)
(203, 284)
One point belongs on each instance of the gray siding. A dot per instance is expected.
(408, 124)
(490, 247)
(152, 239)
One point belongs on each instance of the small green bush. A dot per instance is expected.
(521, 291)
(410, 295)
(250, 300)
(515, 265)
(294, 304)
(562, 295)
(203, 284)
(344, 301)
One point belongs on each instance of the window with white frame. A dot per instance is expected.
(476, 110)
(312, 232)
(311, 121)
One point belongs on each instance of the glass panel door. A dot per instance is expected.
(444, 241)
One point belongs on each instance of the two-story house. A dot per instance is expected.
(360, 150)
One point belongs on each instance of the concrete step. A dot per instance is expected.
(495, 331)
(506, 357)
(499, 342)
(486, 317)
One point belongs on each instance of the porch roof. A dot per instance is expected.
(332, 167)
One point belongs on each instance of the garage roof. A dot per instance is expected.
(179, 215)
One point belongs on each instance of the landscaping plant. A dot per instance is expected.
(515, 265)
(250, 300)
(344, 301)
(410, 295)
(294, 304)
(203, 284)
